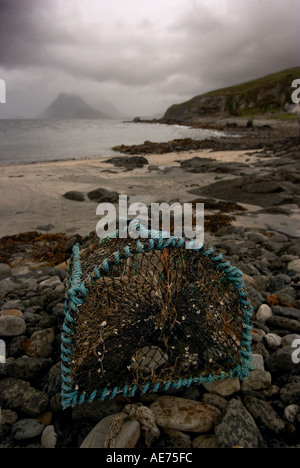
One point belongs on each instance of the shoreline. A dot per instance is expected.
(32, 193)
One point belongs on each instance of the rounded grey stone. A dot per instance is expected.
(27, 429)
(12, 326)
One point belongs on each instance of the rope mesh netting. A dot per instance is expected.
(147, 314)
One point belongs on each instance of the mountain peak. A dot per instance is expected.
(71, 106)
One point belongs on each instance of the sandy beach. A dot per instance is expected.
(31, 195)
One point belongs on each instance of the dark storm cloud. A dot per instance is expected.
(148, 54)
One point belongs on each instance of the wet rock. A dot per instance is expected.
(126, 438)
(184, 415)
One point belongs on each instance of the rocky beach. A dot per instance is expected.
(249, 184)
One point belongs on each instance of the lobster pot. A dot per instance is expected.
(148, 314)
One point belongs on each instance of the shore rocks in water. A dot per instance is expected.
(129, 163)
(189, 144)
(269, 191)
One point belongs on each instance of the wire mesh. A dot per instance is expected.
(156, 315)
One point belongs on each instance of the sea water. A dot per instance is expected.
(30, 141)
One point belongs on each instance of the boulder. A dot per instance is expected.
(184, 415)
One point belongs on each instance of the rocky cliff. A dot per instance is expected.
(264, 95)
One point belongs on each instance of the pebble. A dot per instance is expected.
(18, 395)
(26, 429)
(40, 343)
(51, 283)
(11, 312)
(49, 438)
(224, 387)
(294, 265)
(214, 400)
(288, 340)
(290, 412)
(2, 352)
(12, 326)
(184, 415)
(205, 441)
(256, 380)
(284, 323)
(257, 362)
(25, 368)
(290, 394)
(289, 312)
(7, 419)
(257, 335)
(274, 341)
(126, 438)
(264, 312)
(264, 414)
(280, 361)
(148, 359)
(5, 270)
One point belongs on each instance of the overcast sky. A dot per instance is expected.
(141, 55)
